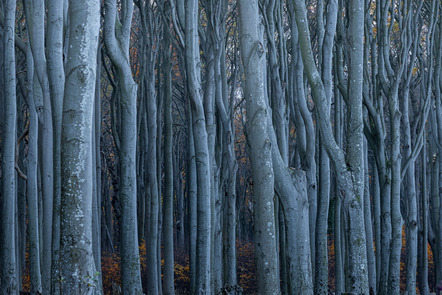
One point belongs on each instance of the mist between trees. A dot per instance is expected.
(221, 147)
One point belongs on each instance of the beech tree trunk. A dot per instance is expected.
(31, 184)
(117, 47)
(193, 73)
(9, 283)
(350, 176)
(253, 59)
(76, 254)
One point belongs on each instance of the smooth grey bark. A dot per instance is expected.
(355, 140)
(306, 139)
(389, 80)
(325, 40)
(371, 259)
(96, 173)
(215, 44)
(396, 218)
(434, 238)
(338, 134)
(290, 185)
(377, 221)
(192, 196)
(225, 112)
(35, 14)
(9, 282)
(193, 74)
(350, 176)
(278, 101)
(321, 260)
(178, 191)
(21, 225)
(436, 165)
(160, 191)
(153, 150)
(423, 238)
(76, 255)
(408, 169)
(411, 201)
(31, 184)
(153, 184)
(168, 286)
(277, 94)
(56, 75)
(253, 59)
(117, 40)
(384, 172)
(209, 115)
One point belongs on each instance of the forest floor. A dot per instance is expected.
(245, 268)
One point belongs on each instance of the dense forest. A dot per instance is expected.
(220, 147)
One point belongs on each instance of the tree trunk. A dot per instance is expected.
(351, 182)
(192, 197)
(31, 184)
(76, 154)
(35, 13)
(117, 46)
(9, 282)
(253, 57)
(56, 76)
(203, 169)
(168, 286)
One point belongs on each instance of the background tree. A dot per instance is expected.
(253, 59)
(9, 281)
(117, 39)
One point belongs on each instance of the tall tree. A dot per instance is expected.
(117, 29)
(203, 171)
(35, 15)
(253, 59)
(9, 283)
(31, 184)
(77, 183)
(168, 169)
(350, 176)
(56, 74)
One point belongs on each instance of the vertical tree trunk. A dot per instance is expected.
(225, 112)
(253, 57)
(35, 13)
(152, 180)
(369, 225)
(203, 170)
(76, 200)
(337, 237)
(160, 193)
(355, 151)
(325, 53)
(96, 172)
(56, 77)
(168, 286)
(192, 197)
(411, 201)
(31, 184)
(423, 270)
(350, 176)
(117, 46)
(9, 282)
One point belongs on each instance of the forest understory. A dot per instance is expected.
(111, 269)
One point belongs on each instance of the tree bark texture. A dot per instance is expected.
(76, 255)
